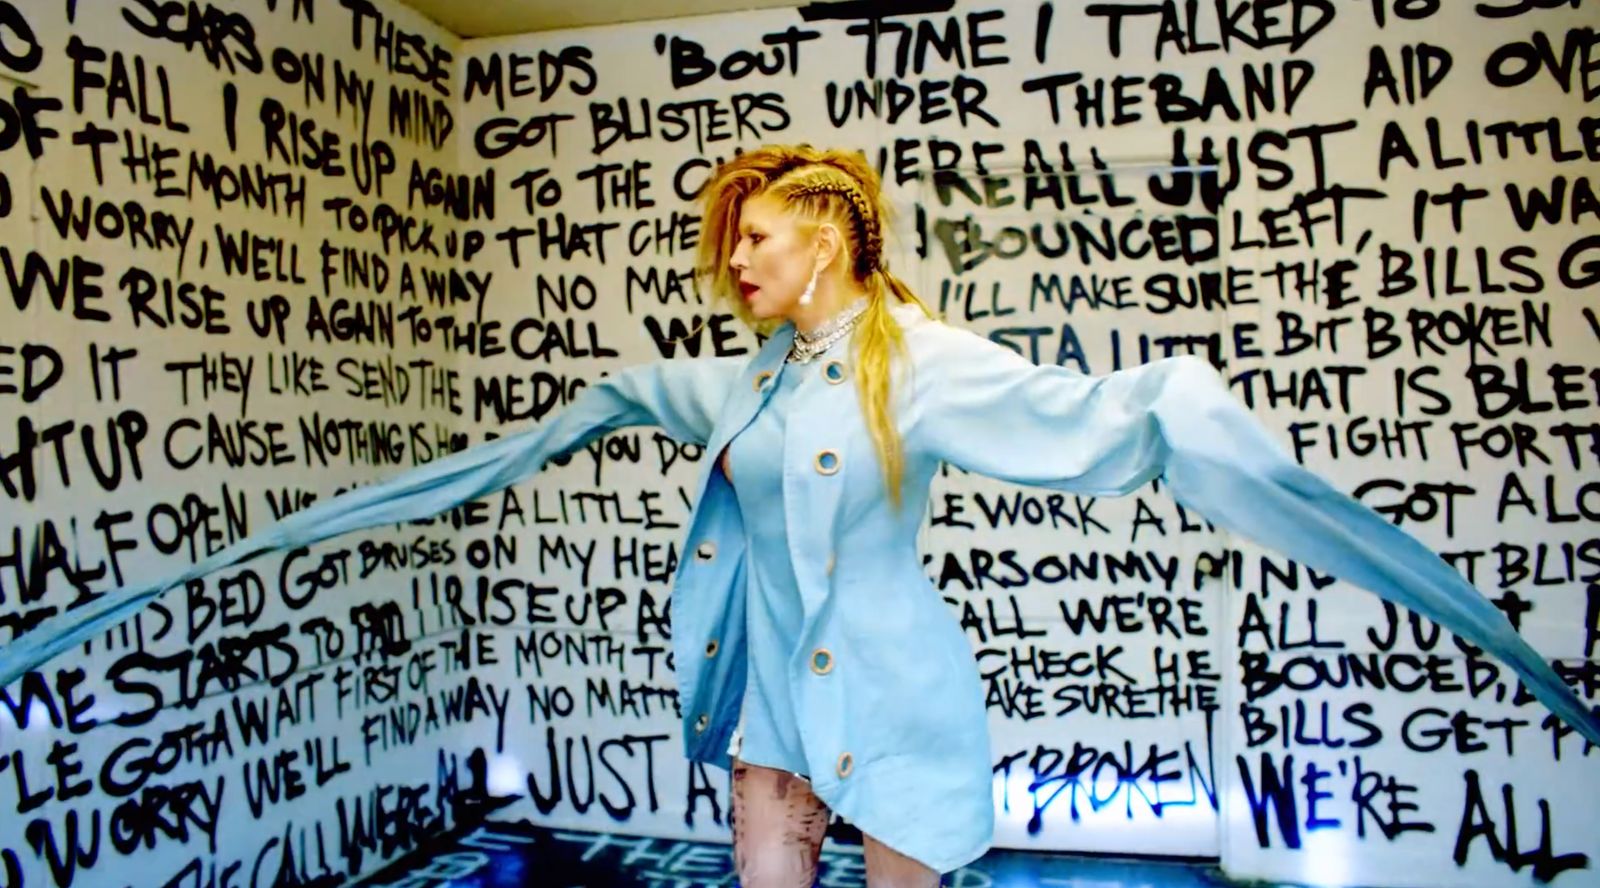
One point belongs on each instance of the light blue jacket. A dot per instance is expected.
(891, 709)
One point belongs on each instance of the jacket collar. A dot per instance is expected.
(777, 345)
(739, 409)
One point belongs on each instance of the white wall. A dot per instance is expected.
(132, 762)
(547, 611)
(1360, 785)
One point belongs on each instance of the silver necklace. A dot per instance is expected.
(808, 346)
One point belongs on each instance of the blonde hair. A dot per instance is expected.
(820, 186)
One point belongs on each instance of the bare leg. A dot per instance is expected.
(888, 868)
(778, 824)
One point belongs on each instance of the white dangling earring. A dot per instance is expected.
(810, 290)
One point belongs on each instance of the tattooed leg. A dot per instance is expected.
(778, 824)
(888, 868)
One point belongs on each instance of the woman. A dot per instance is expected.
(814, 658)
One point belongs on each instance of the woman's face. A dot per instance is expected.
(773, 258)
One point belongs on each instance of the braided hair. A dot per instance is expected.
(866, 228)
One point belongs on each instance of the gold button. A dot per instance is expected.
(706, 551)
(846, 765)
(834, 372)
(821, 661)
(828, 462)
(701, 723)
(711, 648)
(831, 560)
(762, 378)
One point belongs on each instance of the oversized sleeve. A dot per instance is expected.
(683, 397)
(985, 409)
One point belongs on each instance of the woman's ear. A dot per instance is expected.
(829, 244)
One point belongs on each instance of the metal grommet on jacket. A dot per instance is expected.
(706, 551)
(827, 462)
(701, 723)
(762, 379)
(847, 764)
(711, 648)
(821, 661)
(834, 372)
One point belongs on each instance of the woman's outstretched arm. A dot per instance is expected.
(983, 408)
(682, 397)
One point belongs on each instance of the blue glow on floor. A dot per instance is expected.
(512, 855)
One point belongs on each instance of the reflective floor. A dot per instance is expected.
(506, 855)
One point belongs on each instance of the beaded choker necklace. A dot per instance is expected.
(808, 346)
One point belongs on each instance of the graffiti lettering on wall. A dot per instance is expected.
(252, 256)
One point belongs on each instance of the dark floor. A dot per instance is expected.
(509, 855)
